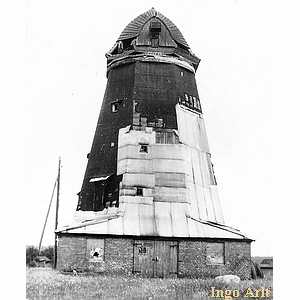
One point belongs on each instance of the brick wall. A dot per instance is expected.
(192, 260)
(72, 254)
(118, 257)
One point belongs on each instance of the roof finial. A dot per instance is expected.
(154, 10)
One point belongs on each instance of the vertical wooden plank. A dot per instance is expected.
(162, 253)
(173, 248)
(142, 257)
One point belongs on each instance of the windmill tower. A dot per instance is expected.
(149, 202)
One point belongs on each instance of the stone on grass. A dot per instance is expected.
(228, 279)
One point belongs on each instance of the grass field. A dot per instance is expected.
(45, 283)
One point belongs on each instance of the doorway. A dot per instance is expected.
(155, 258)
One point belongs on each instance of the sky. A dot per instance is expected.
(65, 46)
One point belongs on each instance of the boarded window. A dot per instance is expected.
(95, 250)
(215, 253)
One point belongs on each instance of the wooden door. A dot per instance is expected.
(166, 253)
(155, 258)
(143, 253)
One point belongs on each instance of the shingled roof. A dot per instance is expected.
(133, 28)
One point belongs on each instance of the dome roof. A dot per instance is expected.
(133, 28)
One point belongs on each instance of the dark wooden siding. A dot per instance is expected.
(103, 156)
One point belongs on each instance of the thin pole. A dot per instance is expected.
(56, 214)
(42, 235)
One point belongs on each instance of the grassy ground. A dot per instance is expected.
(44, 283)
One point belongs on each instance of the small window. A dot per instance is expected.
(215, 253)
(144, 148)
(139, 191)
(114, 107)
(95, 249)
(154, 42)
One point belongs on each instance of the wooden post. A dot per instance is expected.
(56, 214)
(43, 231)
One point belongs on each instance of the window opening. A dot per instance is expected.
(139, 191)
(114, 107)
(215, 253)
(143, 148)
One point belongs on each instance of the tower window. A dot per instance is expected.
(144, 148)
(114, 107)
(155, 29)
(139, 191)
(154, 42)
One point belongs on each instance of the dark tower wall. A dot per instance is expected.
(144, 92)
(102, 159)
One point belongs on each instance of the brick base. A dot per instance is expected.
(72, 253)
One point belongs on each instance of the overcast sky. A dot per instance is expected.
(65, 46)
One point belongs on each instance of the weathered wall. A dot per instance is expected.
(118, 257)
(72, 254)
(193, 260)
